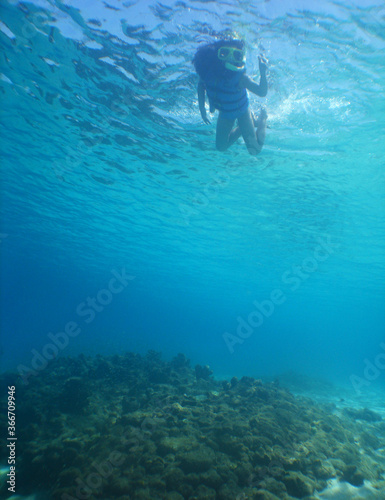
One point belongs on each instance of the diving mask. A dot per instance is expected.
(233, 58)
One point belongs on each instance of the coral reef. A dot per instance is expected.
(131, 427)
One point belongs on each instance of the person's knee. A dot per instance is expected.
(253, 146)
(221, 146)
(253, 151)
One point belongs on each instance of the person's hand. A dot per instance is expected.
(262, 65)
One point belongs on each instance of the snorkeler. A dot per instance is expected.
(221, 69)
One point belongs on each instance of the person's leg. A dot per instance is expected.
(226, 135)
(254, 139)
(261, 127)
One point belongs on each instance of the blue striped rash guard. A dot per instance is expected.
(225, 95)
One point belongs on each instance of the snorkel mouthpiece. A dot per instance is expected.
(231, 67)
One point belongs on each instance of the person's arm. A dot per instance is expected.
(202, 101)
(258, 89)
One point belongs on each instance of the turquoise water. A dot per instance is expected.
(107, 170)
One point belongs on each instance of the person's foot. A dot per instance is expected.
(262, 114)
(260, 125)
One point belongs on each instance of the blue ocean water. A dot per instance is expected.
(123, 229)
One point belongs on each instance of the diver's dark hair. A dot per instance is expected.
(206, 57)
